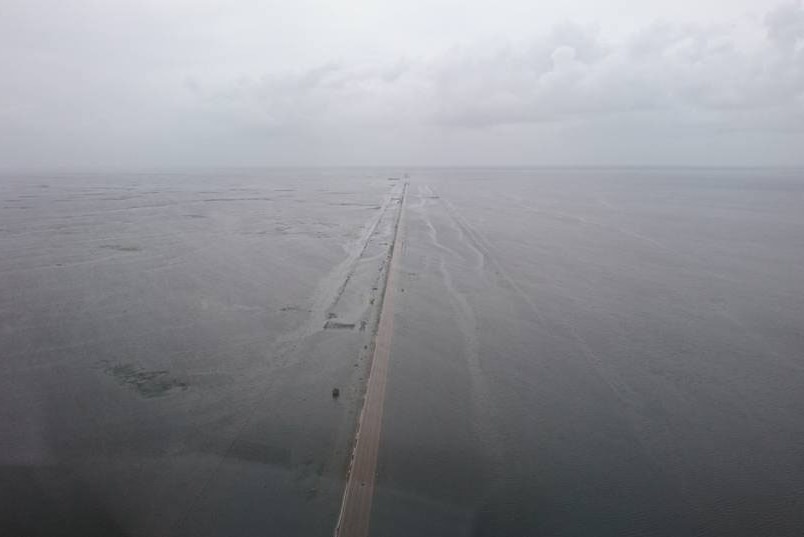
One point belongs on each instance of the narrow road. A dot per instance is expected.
(355, 513)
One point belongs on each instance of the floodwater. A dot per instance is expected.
(575, 352)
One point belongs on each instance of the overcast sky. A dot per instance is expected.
(153, 83)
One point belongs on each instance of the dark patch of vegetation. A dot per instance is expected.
(148, 383)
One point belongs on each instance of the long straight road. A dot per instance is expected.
(354, 518)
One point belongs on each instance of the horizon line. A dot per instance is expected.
(69, 169)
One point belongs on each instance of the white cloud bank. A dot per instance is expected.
(668, 93)
(730, 76)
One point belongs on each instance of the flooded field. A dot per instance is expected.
(574, 352)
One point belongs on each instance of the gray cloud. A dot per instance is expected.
(701, 74)
(130, 86)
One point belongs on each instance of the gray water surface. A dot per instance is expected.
(598, 353)
(593, 352)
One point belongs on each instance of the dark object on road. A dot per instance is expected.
(335, 393)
